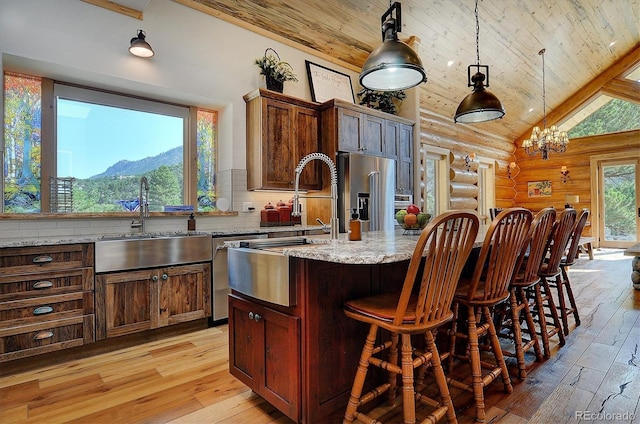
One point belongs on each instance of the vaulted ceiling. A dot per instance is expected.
(582, 39)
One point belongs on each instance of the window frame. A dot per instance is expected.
(50, 91)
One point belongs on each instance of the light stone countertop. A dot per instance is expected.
(75, 239)
(376, 247)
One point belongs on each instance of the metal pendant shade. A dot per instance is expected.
(480, 105)
(393, 65)
(139, 47)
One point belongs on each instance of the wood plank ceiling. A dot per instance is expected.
(582, 38)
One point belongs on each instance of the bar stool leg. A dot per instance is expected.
(476, 367)
(393, 377)
(408, 392)
(497, 350)
(530, 324)
(361, 374)
(441, 379)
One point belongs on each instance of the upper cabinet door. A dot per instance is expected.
(349, 128)
(281, 130)
(372, 142)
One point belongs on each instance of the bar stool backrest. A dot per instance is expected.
(444, 246)
(535, 251)
(574, 243)
(499, 255)
(558, 242)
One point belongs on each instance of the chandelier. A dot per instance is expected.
(549, 139)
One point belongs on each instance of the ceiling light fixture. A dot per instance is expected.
(549, 139)
(139, 47)
(480, 105)
(393, 65)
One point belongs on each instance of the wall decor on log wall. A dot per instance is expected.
(539, 188)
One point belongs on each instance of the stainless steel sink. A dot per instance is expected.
(259, 269)
(135, 251)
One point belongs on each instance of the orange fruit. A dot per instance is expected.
(410, 220)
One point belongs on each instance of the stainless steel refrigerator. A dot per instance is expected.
(367, 184)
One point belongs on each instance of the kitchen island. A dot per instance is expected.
(302, 358)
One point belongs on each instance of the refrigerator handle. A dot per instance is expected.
(374, 189)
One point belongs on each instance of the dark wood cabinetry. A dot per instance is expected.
(46, 299)
(281, 130)
(133, 301)
(347, 127)
(264, 353)
(285, 354)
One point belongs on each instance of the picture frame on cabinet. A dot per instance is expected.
(327, 84)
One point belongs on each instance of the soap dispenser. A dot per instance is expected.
(355, 230)
(191, 223)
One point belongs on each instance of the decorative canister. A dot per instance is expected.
(269, 216)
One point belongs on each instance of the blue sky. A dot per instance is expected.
(93, 137)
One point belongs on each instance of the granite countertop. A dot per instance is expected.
(376, 247)
(75, 239)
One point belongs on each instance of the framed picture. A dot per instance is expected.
(327, 84)
(539, 188)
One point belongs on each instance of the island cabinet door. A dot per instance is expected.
(264, 353)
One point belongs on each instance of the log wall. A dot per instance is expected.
(462, 140)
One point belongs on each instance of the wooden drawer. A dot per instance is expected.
(23, 260)
(48, 308)
(25, 286)
(27, 340)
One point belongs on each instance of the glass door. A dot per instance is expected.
(618, 203)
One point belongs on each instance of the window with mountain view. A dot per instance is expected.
(604, 115)
(103, 144)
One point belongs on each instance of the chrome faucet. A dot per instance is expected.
(334, 189)
(143, 205)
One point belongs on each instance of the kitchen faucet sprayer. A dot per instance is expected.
(334, 189)
(143, 205)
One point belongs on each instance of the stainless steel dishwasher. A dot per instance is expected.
(220, 276)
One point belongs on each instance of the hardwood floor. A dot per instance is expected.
(185, 379)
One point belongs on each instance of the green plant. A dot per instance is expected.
(272, 67)
(386, 101)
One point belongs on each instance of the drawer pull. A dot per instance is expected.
(43, 335)
(42, 310)
(42, 285)
(42, 259)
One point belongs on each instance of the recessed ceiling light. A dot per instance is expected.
(611, 44)
(449, 63)
(530, 110)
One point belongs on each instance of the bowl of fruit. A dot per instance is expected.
(411, 219)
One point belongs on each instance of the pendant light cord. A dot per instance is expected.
(544, 93)
(477, 36)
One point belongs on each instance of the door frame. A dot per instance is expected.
(597, 200)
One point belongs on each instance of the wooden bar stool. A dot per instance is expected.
(523, 281)
(550, 270)
(488, 287)
(441, 252)
(562, 282)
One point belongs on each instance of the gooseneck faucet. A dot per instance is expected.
(143, 205)
(334, 189)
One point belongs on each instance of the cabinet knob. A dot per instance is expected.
(165, 276)
(257, 317)
(154, 278)
(250, 315)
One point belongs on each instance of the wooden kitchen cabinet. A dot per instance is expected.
(132, 301)
(281, 130)
(347, 127)
(404, 162)
(264, 353)
(46, 299)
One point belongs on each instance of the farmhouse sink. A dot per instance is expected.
(259, 269)
(136, 251)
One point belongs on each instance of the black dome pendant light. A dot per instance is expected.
(480, 105)
(393, 65)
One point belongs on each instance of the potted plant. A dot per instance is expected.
(386, 101)
(276, 72)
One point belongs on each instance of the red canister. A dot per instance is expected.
(284, 212)
(269, 216)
